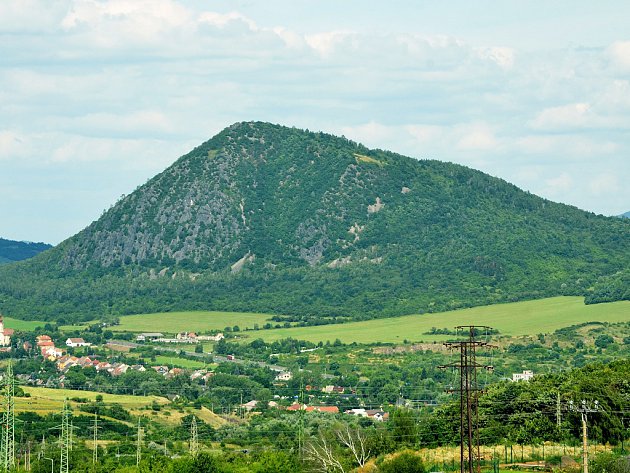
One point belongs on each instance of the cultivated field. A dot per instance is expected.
(198, 321)
(519, 318)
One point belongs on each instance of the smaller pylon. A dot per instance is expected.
(194, 437)
(139, 444)
(7, 453)
(66, 438)
(95, 444)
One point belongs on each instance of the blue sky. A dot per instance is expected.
(98, 96)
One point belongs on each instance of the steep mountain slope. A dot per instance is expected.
(11, 251)
(269, 218)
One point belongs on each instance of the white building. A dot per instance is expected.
(284, 376)
(77, 342)
(149, 336)
(5, 334)
(524, 376)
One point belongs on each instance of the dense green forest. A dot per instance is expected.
(273, 219)
(11, 251)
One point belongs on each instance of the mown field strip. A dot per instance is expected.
(198, 321)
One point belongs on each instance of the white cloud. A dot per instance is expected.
(619, 53)
(559, 184)
(604, 184)
(574, 115)
(502, 56)
(477, 137)
(12, 145)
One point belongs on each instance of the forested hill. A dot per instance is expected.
(11, 251)
(274, 219)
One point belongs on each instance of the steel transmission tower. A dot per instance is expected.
(7, 456)
(468, 395)
(95, 444)
(194, 437)
(65, 440)
(139, 444)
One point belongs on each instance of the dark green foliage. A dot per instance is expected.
(615, 287)
(272, 219)
(404, 462)
(11, 251)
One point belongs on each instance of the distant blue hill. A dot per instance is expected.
(11, 251)
(626, 215)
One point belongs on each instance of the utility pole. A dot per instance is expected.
(7, 455)
(469, 391)
(301, 418)
(558, 412)
(139, 444)
(66, 438)
(584, 408)
(194, 437)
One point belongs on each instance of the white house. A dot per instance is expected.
(77, 342)
(284, 376)
(211, 338)
(524, 376)
(5, 334)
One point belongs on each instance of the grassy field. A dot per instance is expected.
(46, 401)
(25, 325)
(519, 318)
(199, 321)
(180, 362)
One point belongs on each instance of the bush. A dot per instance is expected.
(405, 462)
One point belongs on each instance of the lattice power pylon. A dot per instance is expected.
(194, 437)
(7, 454)
(95, 440)
(468, 395)
(139, 444)
(66, 438)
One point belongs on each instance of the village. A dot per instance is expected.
(78, 354)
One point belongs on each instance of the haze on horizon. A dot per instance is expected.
(97, 96)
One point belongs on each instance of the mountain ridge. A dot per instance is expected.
(12, 250)
(275, 219)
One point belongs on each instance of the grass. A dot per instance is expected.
(519, 318)
(198, 321)
(180, 362)
(47, 400)
(367, 159)
(24, 325)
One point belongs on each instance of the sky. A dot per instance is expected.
(97, 96)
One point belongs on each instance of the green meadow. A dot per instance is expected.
(518, 318)
(197, 321)
(24, 325)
